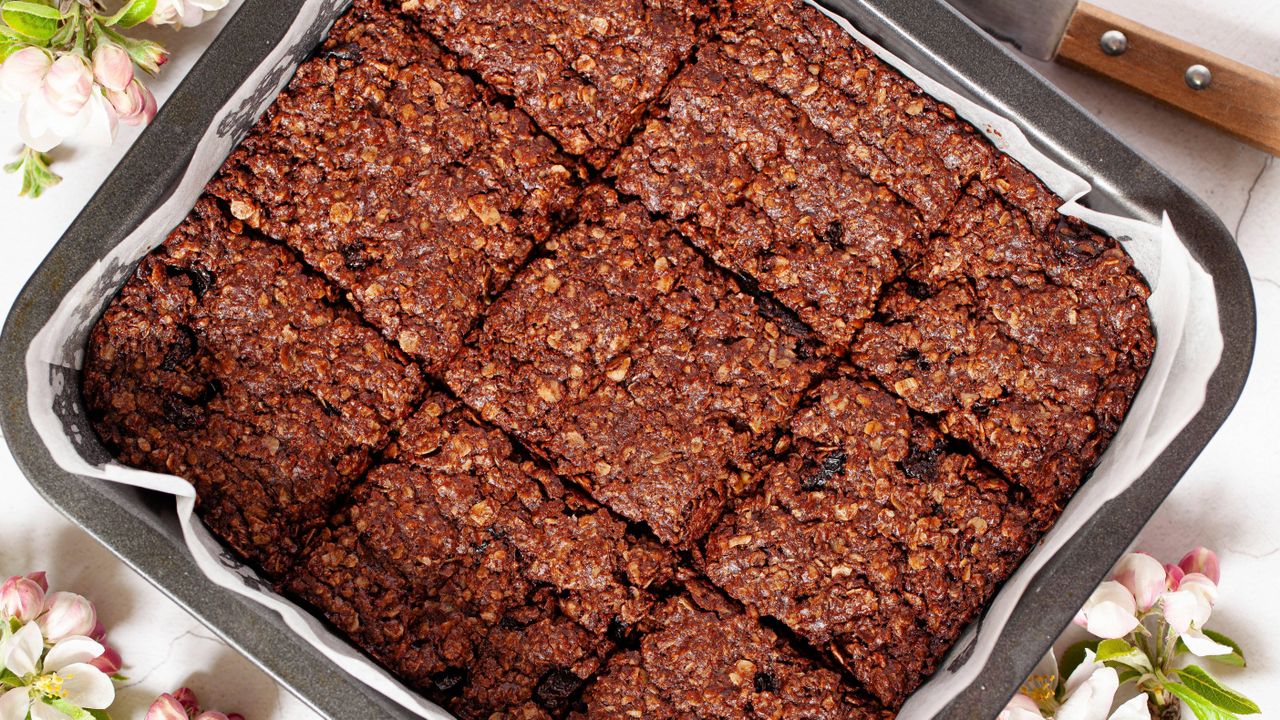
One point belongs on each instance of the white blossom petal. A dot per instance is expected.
(14, 704)
(1082, 672)
(1110, 620)
(1043, 680)
(1092, 699)
(23, 72)
(1183, 610)
(67, 127)
(22, 654)
(33, 124)
(68, 651)
(1205, 590)
(1143, 576)
(1202, 646)
(102, 121)
(68, 83)
(1110, 611)
(1047, 667)
(1134, 709)
(87, 686)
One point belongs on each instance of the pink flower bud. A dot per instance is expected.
(1172, 577)
(98, 632)
(1203, 561)
(66, 614)
(68, 84)
(21, 598)
(39, 578)
(108, 662)
(112, 67)
(211, 715)
(235, 716)
(1143, 576)
(23, 72)
(135, 105)
(166, 707)
(187, 698)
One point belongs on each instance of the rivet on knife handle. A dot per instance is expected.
(1198, 77)
(1227, 94)
(1113, 42)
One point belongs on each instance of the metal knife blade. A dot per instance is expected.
(1035, 26)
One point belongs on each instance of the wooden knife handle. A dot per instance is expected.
(1239, 99)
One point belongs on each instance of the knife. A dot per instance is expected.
(1230, 95)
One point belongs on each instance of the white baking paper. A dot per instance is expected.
(1183, 307)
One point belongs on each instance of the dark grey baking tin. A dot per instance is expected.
(142, 529)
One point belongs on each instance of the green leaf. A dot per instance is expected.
(34, 8)
(1128, 674)
(31, 20)
(1121, 652)
(1208, 687)
(36, 175)
(75, 712)
(7, 676)
(8, 46)
(133, 13)
(1073, 656)
(1203, 709)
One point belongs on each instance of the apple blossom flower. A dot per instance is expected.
(1091, 689)
(43, 127)
(23, 72)
(112, 66)
(81, 81)
(184, 13)
(38, 577)
(67, 615)
(1204, 561)
(61, 674)
(68, 84)
(1087, 694)
(1143, 576)
(1187, 609)
(135, 105)
(1110, 612)
(21, 598)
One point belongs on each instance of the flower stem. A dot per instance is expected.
(1163, 705)
(36, 175)
(1159, 641)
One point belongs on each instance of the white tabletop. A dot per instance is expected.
(1229, 501)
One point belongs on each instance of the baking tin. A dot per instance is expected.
(141, 527)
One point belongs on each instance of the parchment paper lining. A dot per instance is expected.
(1183, 307)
